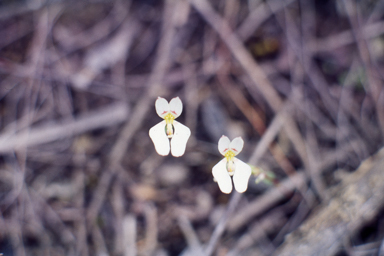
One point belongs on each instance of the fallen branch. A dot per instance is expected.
(356, 201)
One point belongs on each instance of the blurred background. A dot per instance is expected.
(301, 81)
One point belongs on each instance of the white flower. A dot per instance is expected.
(169, 128)
(231, 166)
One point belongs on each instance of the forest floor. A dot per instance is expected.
(301, 81)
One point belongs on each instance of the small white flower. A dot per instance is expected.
(169, 128)
(231, 166)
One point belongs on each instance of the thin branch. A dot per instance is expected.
(220, 227)
(129, 235)
(105, 117)
(119, 149)
(253, 70)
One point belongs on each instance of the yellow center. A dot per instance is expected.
(229, 155)
(169, 118)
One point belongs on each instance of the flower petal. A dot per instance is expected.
(162, 107)
(179, 139)
(176, 106)
(222, 177)
(224, 144)
(160, 139)
(236, 145)
(242, 173)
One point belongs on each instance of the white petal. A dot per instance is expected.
(242, 173)
(162, 107)
(224, 144)
(160, 139)
(179, 139)
(222, 177)
(236, 145)
(176, 106)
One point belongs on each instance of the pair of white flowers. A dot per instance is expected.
(179, 135)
